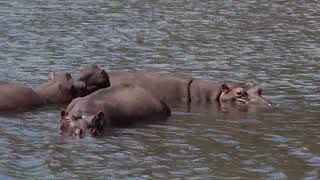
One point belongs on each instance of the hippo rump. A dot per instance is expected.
(58, 90)
(118, 105)
(179, 91)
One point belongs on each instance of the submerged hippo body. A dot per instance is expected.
(119, 104)
(14, 96)
(59, 89)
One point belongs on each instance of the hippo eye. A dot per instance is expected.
(239, 93)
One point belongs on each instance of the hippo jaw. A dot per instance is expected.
(83, 125)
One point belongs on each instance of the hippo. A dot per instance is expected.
(59, 89)
(122, 104)
(173, 90)
(179, 92)
(207, 92)
(14, 96)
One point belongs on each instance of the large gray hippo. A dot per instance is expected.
(58, 90)
(119, 104)
(179, 91)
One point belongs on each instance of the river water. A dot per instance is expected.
(272, 43)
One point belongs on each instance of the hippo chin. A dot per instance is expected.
(118, 105)
(58, 90)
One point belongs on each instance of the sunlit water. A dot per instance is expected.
(272, 43)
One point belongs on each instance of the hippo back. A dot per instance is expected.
(171, 89)
(204, 91)
(14, 96)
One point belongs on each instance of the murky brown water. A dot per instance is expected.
(272, 43)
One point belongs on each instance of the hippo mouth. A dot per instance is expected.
(242, 100)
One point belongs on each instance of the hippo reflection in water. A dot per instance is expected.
(58, 90)
(118, 105)
(179, 91)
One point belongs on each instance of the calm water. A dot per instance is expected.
(272, 43)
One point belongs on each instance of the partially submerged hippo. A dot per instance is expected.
(14, 96)
(120, 104)
(179, 91)
(207, 92)
(58, 90)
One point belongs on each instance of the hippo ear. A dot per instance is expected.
(63, 113)
(100, 115)
(259, 90)
(51, 76)
(68, 76)
(106, 76)
(101, 118)
(225, 88)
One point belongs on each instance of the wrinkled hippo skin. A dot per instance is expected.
(59, 89)
(117, 105)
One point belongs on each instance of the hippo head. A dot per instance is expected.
(254, 94)
(236, 94)
(60, 89)
(80, 125)
(94, 77)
